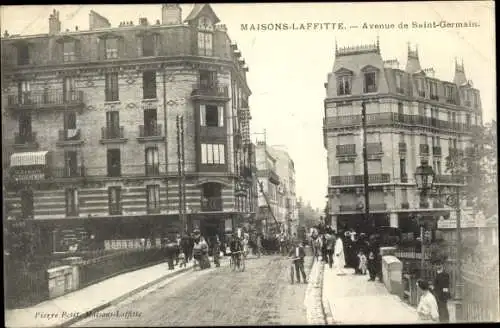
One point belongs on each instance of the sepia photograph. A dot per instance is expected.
(239, 164)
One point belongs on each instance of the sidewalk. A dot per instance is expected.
(69, 308)
(355, 300)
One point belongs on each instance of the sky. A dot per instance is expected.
(287, 69)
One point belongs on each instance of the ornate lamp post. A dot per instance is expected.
(424, 178)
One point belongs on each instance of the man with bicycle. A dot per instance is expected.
(236, 248)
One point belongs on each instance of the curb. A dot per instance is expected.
(314, 296)
(123, 297)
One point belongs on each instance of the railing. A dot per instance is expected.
(402, 147)
(434, 97)
(22, 139)
(454, 152)
(153, 130)
(451, 101)
(404, 177)
(214, 90)
(389, 118)
(46, 98)
(346, 150)
(24, 288)
(358, 179)
(69, 135)
(405, 205)
(152, 170)
(115, 209)
(424, 149)
(209, 204)
(370, 88)
(358, 207)
(374, 148)
(108, 133)
(448, 179)
(68, 172)
(96, 270)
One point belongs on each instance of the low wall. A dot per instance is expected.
(392, 273)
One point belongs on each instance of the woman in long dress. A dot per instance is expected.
(339, 261)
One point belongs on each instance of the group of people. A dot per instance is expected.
(347, 249)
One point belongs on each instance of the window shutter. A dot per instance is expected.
(203, 112)
(220, 110)
(139, 46)
(78, 49)
(121, 47)
(101, 45)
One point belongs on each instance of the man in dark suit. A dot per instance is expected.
(441, 288)
(298, 252)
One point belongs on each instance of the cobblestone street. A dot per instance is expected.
(261, 295)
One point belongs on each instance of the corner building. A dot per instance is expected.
(411, 117)
(90, 133)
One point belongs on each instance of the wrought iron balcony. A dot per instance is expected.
(402, 147)
(451, 101)
(115, 209)
(359, 207)
(436, 151)
(405, 205)
(152, 169)
(211, 204)
(48, 99)
(374, 148)
(448, 179)
(210, 91)
(112, 134)
(68, 172)
(455, 152)
(349, 208)
(424, 149)
(346, 150)
(150, 132)
(25, 139)
(358, 179)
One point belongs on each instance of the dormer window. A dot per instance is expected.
(205, 37)
(69, 51)
(344, 85)
(433, 90)
(148, 44)
(370, 82)
(476, 99)
(110, 46)
(421, 87)
(398, 77)
(448, 92)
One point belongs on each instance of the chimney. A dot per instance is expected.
(171, 14)
(460, 77)
(97, 21)
(143, 21)
(413, 63)
(54, 23)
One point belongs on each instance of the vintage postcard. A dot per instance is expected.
(198, 164)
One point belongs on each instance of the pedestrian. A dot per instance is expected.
(216, 250)
(441, 287)
(259, 245)
(330, 245)
(339, 256)
(298, 253)
(427, 308)
(186, 246)
(362, 262)
(178, 250)
(170, 252)
(323, 248)
(316, 245)
(373, 252)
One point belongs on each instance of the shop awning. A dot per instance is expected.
(29, 158)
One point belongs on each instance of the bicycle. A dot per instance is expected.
(232, 263)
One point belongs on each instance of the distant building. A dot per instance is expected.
(89, 126)
(411, 117)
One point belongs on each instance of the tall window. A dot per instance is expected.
(437, 166)
(69, 121)
(152, 161)
(71, 163)
(153, 197)
(24, 92)
(113, 125)
(402, 168)
(148, 45)
(399, 84)
(421, 87)
(150, 122)
(111, 87)
(71, 202)
(27, 204)
(25, 127)
(433, 90)
(208, 79)
(114, 162)
(467, 120)
(421, 109)
(211, 115)
(400, 108)
(149, 85)
(69, 51)
(448, 90)
(205, 43)
(23, 54)
(476, 99)
(344, 85)
(114, 200)
(69, 88)
(370, 82)
(111, 48)
(213, 154)
(212, 197)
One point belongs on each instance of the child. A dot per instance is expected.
(362, 262)
(182, 259)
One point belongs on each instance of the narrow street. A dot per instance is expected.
(261, 295)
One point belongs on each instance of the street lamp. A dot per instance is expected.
(424, 178)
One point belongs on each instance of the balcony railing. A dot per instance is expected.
(25, 138)
(448, 179)
(152, 170)
(434, 97)
(115, 209)
(108, 133)
(152, 130)
(358, 179)
(455, 152)
(424, 149)
(383, 119)
(374, 148)
(68, 172)
(210, 90)
(405, 205)
(53, 98)
(436, 151)
(210, 204)
(451, 101)
(360, 207)
(402, 147)
(346, 150)
(404, 177)
(349, 208)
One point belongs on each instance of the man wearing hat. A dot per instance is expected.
(441, 289)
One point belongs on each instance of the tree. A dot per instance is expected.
(478, 165)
